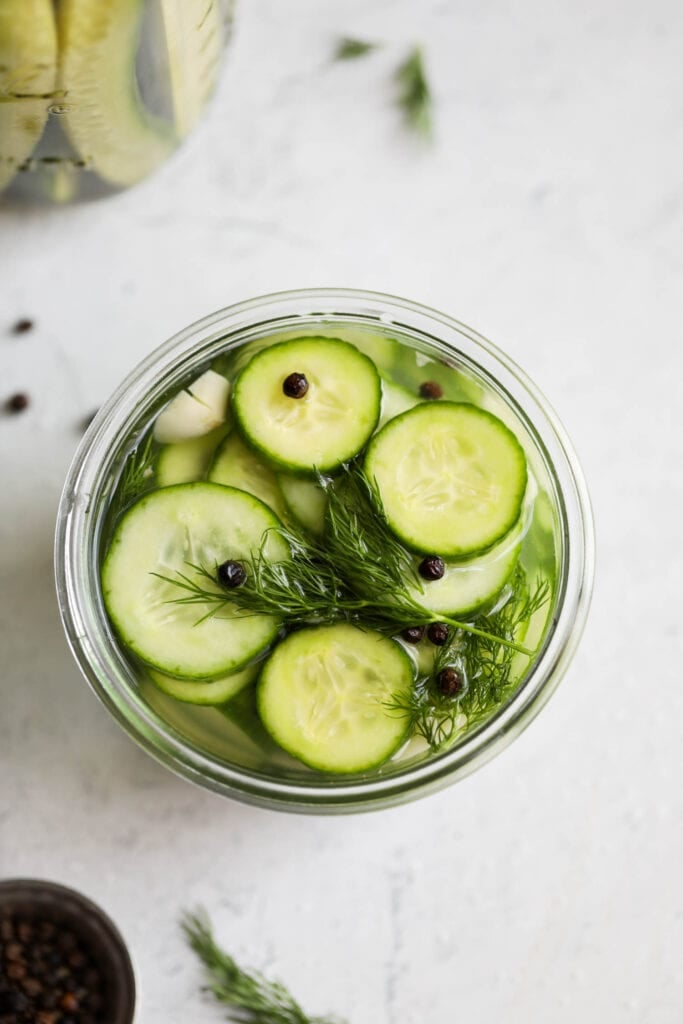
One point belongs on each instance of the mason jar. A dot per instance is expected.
(203, 744)
(96, 94)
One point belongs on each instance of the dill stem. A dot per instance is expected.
(519, 648)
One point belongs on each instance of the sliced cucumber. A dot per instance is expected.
(208, 692)
(202, 524)
(236, 465)
(306, 500)
(187, 461)
(106, 119)
(322, 696)
(451, 477)
(395, 400)
(329, 424)
(467, 587)
(28, 76)
(194, 40)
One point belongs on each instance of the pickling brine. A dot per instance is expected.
(331, 549)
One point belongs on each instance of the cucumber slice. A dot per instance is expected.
(451, 478)
(187, 461)
(236, 465)
(106, 120)
(28, 77)
(208, 692)
(194, 41)
(306, 500)
(395, 400)
(329, 424)
(322, 696)
(467, 587)
(198, 523)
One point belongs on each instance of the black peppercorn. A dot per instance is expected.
(431, 389)
(449, 681)
(295, 386)
(413, 634)
(431, 568)
(438, 633)
(23, 326)
(18, 402)
(232, 574)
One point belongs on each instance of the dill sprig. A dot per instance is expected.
(358, 573)
(250, 997)
(485, 662)
(415, 96)
(349, 48)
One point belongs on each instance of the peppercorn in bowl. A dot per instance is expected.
(324, 551)
(62, 960)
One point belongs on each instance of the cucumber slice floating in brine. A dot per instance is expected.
(323, 693)
(236, 465)
(208, 692)
(106, 119)
(306, 500)
(28, 78)
(451, 478)
(165, 533)
(328, 423)
(187, 461)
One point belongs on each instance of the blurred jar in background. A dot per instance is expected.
(96, 94)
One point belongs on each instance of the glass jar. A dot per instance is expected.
(96, 94)
(197, 742)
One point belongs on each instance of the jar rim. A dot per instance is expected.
(91, 640)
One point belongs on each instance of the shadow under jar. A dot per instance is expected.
(96, 94)
(455, 722)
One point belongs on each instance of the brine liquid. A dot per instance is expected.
(234, 733)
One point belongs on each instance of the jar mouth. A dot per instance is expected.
(109, 437)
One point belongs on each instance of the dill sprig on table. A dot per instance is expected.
(358, 573)
(415, 97)
(250, 997)
(484, 660)
(349, 48)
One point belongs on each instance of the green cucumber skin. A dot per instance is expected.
(320, 764)
(205, 692)
(276, 461)
(454, 554)
(231, 665)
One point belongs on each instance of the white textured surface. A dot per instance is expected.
(549, 215)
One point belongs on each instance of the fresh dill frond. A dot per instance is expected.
(484, 661)
(360, 541)
(358, 573)
(249, 996)
(349, 48)
(415, 97)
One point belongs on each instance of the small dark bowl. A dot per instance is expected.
(62, 906)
